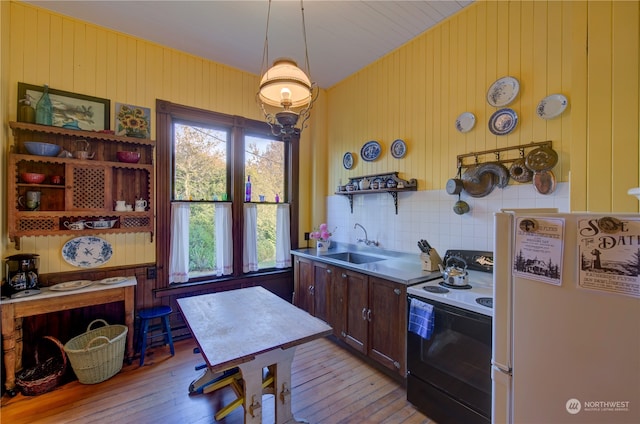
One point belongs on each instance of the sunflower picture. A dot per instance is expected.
(133, 121)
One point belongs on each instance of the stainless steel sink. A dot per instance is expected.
(354, 258)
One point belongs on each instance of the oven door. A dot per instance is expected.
(455, 362)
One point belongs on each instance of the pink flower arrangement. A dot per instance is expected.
(322, 233)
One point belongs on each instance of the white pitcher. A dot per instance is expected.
(121, 206)
(141, 205)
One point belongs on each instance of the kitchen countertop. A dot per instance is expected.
(404, 268)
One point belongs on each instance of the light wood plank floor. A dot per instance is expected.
(330, 385)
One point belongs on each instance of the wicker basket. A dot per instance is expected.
(44, 376)
(97, 355)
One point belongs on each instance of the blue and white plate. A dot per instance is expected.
(370, 151)
(87, 251)
(398, 148)
(552, 106)
(503, 121)
(347, 160)
(465, 122)
(503, 91)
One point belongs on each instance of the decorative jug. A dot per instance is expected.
(364, 184)
(141, 204)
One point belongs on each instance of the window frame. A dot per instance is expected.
(166, 114)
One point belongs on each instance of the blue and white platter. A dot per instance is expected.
(87, 251)
(347, 160)
(370, 151)
(503, 121)
(503, 91)
(398, 148)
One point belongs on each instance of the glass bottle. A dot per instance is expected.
(44, 108)
(27, 112)
(247, 189)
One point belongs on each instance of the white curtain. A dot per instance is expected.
(283, 236)
(224, 239)
(250, 254)
(179, 250)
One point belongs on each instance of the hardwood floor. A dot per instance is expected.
(330, 385)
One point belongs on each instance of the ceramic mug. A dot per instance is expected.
(30, 201)
(74, 225)
(141, 204)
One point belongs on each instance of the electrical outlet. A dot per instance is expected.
(306, 236)
(151, 273)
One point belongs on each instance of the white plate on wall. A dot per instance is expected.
(552, 106)
(465, 122)
(87, 251)
(503, 91)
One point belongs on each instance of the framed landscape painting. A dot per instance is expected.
(91, 113)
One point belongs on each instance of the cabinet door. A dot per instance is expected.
(321, 282)
(387, 301)
(356, 324)
(303, 284)
(89, 188)
(338, 302)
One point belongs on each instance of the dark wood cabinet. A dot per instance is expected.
(87, 190)
(367, 313)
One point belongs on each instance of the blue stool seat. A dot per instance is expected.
(146, 315)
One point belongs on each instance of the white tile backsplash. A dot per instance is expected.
(429, 215)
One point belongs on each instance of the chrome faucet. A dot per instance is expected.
(366, 238)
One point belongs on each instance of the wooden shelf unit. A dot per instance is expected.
(89, 188)
(406, 185)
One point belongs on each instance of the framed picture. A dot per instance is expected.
(91, 113)
(133, 121)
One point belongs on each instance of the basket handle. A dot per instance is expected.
(96, 320)
(96, 338)
(57, 343)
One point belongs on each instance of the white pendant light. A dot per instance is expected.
(286, 92)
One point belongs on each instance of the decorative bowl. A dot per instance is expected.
(41, 149)
(32, 177)
(128, 157)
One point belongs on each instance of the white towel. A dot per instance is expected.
(421, 318)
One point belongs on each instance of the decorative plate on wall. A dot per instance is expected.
(503, 91)
(87, 252)
(465, 122)
(398, 149)
(552, 106)
(370, 151)
(347, 160)
(503, 121)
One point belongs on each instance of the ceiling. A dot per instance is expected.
(343, 36)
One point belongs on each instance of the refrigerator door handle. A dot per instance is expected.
(502, 368)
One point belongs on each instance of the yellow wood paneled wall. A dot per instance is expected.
(71, 55)
(586, 50)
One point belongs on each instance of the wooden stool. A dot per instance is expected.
(146, 315)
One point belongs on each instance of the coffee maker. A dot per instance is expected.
(21, 273)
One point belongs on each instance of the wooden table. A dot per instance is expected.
(52, 301)
(251, 328)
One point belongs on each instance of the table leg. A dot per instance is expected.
(129, 305)
(9, 347)
(252, 377)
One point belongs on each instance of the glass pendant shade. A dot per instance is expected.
(286, 85)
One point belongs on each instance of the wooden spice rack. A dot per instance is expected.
(400, 185)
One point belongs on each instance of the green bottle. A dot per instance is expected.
(44, 108)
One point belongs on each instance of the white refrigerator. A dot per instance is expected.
(566, 324)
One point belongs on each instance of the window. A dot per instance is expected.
(204, 160)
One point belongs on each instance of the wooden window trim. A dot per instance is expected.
(166, 113)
